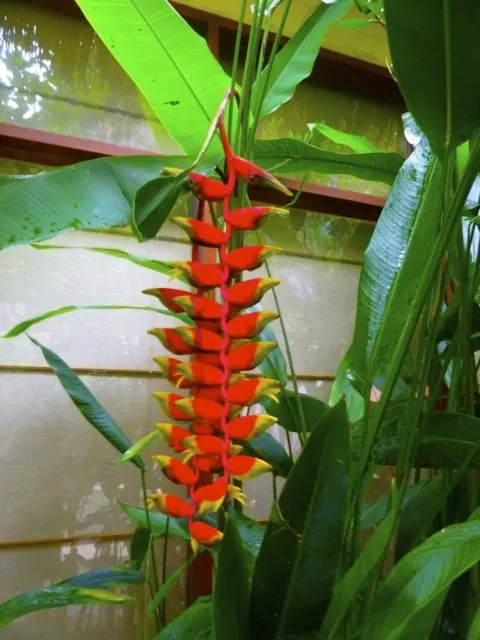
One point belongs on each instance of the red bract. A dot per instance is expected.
(205, 188)
(249, 258)
(202, 276)
(252, 218)
(201, 232)
(249, 292)
(221, 349)
(250, 324)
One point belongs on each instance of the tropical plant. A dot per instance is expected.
(406, 394)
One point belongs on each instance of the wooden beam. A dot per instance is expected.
(53, 149)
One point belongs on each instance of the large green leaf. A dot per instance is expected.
(168, 61)
(435, 52)
(355, 578)
(407, 603)
(104, 578)
(287, 414)
(195, 623)
(158, 522)
(53, 597)
(23, 326)
(266, 447)
(87, 404)
(286, 156)
(299, 558)
(96, 194)
(295, 61)
(394, 263)
(231, 591)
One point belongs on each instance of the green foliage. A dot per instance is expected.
(287, 414)
(88, 588)
(25, 325)
(230, 599)
(295, 61)
(87, 404)
(171, 65)
(358, 144)
(394, 263)
(409, 600)
(196, 623)
(139, 546)
(168, 585)
(266, 447)
(287, 156)
(305, 530)
(436, 56)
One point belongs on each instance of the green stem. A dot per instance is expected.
(164, 570)
(149, 527)
(268, 72)
(236, 56)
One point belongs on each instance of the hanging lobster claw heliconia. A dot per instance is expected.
(221, 346)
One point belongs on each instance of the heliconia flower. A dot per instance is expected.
(173, 341)
(246, 467)
(168, 368)
(168, 403)
(176, 470)
(248, 427)
(171, 505)
(199, 373)
(248, 292)
(205, 444)
(251, 173)
(199, 307)
(251, 218)
(173, 435)
(210, 497)
(249, 355)
(201, 232)
(250, 325)
(198, 274)
(204, 534)
(250, 258)
(248, 392)
(167, 296)
(199, 339)
(205, 188)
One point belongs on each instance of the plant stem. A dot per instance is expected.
(164, 570)
(236, 57)
(149, 527)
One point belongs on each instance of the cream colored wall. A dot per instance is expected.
(56, 475)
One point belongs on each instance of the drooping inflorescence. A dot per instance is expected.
(221, 347)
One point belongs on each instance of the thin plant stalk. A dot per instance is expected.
(236, 57)
(164, 569)
(149, 527)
